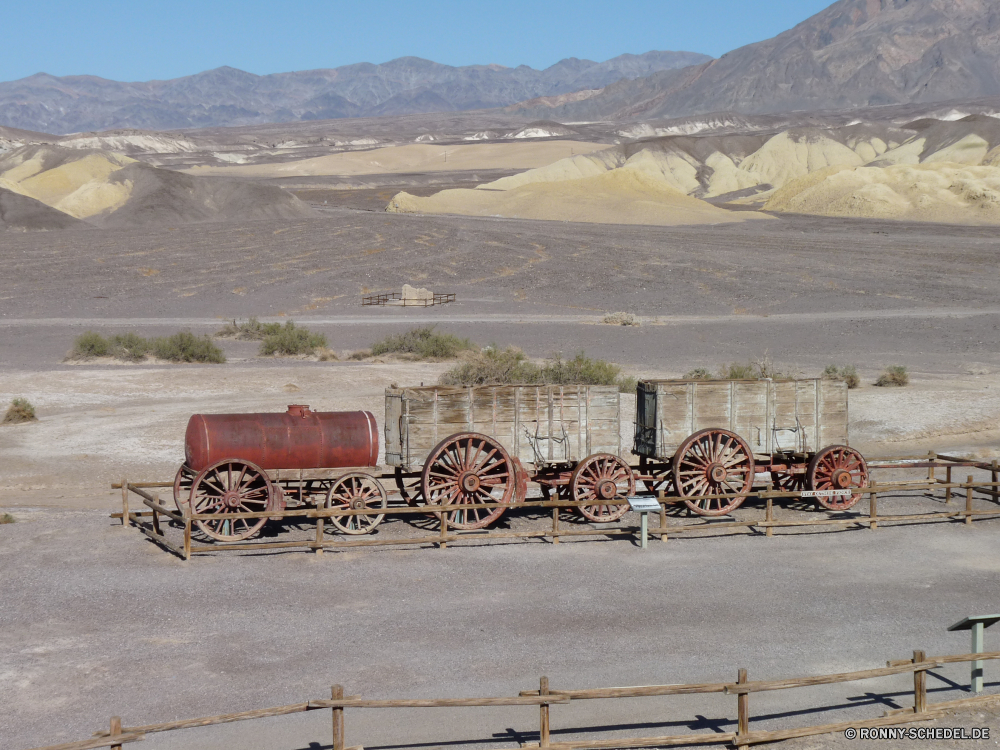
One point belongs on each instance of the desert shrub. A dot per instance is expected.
(893, 376)
(492, 366)
(738, 371)
(186, 347)
(423, 343)
(6, 518)
(359, 355)
(20, 411)
(248, 330)
(757, 368)
(847, 374)
(289, 340)
(698, 373)
(130, 347)
(621, 319)
(510, 366)
(327, 355)
(89, 345)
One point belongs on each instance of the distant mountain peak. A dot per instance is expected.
(228, 96)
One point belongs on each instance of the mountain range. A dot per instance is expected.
(855, 53)
(227, 96)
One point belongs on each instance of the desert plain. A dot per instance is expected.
(98, 622)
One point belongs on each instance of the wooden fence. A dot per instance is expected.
(546, 697)
(862, 515)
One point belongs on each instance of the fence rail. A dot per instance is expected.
(148, 521)
(546, 697)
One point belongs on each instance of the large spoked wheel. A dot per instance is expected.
(229, 487)
(601, 478)
(182, 487)
(357, 491)
(713, 462)
(469, 469)
(838, 468)
(409, 487)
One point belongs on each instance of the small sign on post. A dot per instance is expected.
(644, 506)
(976, 624)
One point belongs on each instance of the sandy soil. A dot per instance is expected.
(417, 157)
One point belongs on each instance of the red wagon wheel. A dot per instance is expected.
(713, 462)
(182, 487)
(227, 487)
(838, 468)
(469, 469)
(357, 491)
(602, 477)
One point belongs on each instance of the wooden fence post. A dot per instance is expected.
(947, 490)
(319, 535)
(968, 502)
(872, 507)
(187, 533)
(555, 525)
(769, 516)
(931, 455)
(444, 531)
(116, 729)
(337, 693)
(743, 709)
(124, 501)
(543, 718)
(919, 685)
(663, 522)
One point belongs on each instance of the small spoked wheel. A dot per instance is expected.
(713, 462)
(357, 491)
(469, 469)
(230, 487)
(838, 468)
(602, 478)
(182, 487)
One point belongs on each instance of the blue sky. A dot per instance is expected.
(137, 40)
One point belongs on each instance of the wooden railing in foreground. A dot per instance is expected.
(546, 697)
(148, 521)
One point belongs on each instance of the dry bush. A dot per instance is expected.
(360, 355)
(847, 374)
(7, 518)
(894, 376)
(247, 330)
(131, 347)
(511, 366)
(423, 343)
(289, 340)
(757, 368)
(19, 412)
(186, 347)
(621, 319)
(327, 355)
(698, 373)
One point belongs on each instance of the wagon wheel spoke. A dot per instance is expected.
(838, 467)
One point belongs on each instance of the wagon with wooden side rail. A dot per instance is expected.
(707, 441)
(467, 446)
(255, 463)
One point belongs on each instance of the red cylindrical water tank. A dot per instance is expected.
(296, 439)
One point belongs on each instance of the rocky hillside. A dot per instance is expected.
(226, 96)
(855, 53)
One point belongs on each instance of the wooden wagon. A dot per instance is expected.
(712, 438)
(465, 446)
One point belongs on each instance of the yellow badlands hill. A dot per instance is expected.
(938, 191)
(621, 196)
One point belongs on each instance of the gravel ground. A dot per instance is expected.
(97, 621)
